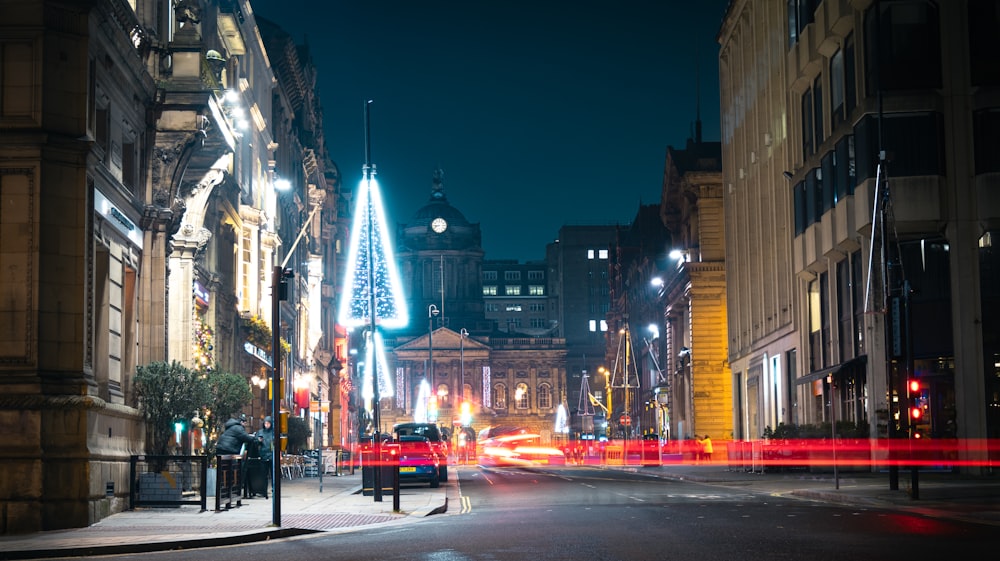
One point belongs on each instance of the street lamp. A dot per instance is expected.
(432, 311)
(461, 353)
(607, 390)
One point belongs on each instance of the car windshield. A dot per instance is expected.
(428, 431)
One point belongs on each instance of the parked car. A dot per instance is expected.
(432, 433)
(418, 461)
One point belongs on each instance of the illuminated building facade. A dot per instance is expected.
(860, 180)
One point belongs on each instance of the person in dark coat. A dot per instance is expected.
(266, 438)
(233, 438)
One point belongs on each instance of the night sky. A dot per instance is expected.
(541, 113)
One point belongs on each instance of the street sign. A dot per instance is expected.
(625, 420)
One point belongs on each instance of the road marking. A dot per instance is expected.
(466, 504)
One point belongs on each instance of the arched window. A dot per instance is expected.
(521, 398)
(544, 396)
(499, 396)
(442, 392)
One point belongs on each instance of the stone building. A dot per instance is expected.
(140, 216)
(691, 290)
(859, 181)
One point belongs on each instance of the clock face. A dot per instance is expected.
(439, 225)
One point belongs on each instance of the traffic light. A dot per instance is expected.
(283, 283)
(283, 429)
(914, 391)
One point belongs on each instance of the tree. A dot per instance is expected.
(228, 394)
(166, 393)
(298, 434)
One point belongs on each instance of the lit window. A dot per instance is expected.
(603, 254)
(513, 307)
(604, 325)
(593, 325)
(512, 290)
(590, 254)
(536, 290)
(489, 290)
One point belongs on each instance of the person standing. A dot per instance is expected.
(233, 438)
(266, 438)
(706, 448)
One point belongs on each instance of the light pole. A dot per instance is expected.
(461, 358)
(607, 390)
(432, 311)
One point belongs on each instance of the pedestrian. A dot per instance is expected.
(706, 448)
(265, 436)
(233, 438)
(257, 481)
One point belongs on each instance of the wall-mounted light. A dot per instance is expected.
(681, 254)
(282, 184)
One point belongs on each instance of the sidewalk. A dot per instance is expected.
(341, 506)
(304, 510)
(939, 494)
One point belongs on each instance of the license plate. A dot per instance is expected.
(409, 469)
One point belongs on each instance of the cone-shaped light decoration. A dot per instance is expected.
(562, 420)
(375, 362)
(377, 253)
(420, 408)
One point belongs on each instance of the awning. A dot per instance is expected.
(850, 365)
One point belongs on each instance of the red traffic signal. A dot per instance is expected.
(916, 413)
(914, 386)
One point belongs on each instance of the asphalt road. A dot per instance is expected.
(509, 514)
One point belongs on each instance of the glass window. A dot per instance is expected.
(858, 294)
(513, 307)
(536, 275)
(500, 396)
(837, 88)
(590, 254)
(514, 290)
(490, 275)
(812, 202)
(815, 327)
(807, 125)
(828, 195)
(489, 290)
(544, 396)
(903, 45)
(843, 178)
(799, 196)
(536, 290)
(850, 80)
(818, 113)
(512, 275)
(593, 325)
(984, 42)
(986, 136)
(914, 141)
(521, 398)
(602, 254)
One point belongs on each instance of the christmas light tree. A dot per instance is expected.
(375, 361)
(371, 266)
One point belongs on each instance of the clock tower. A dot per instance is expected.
(440, 259)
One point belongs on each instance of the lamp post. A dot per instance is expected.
(432, 311)
(607, 390)
(461, 357)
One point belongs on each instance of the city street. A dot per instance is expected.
(588, 514)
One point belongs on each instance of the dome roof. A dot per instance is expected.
(438, 206)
